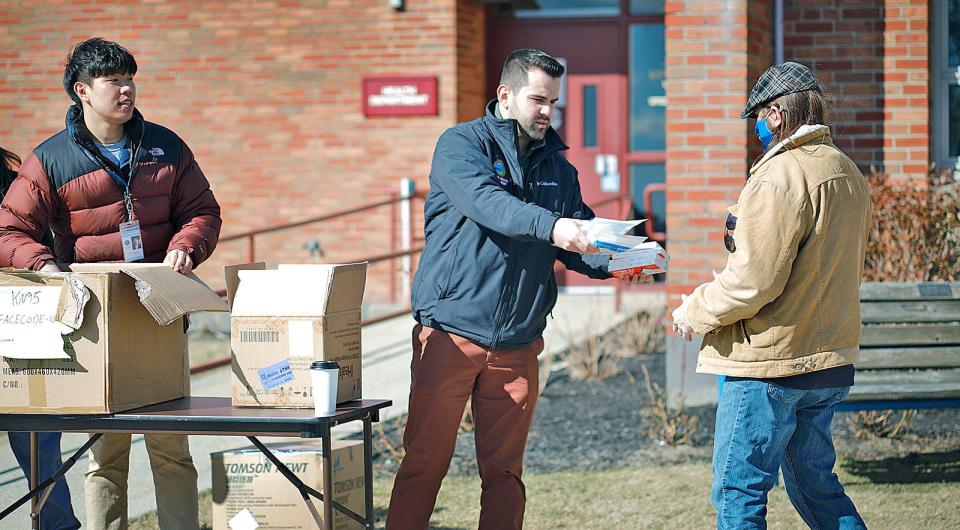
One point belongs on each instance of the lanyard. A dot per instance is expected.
(128, 203)
(125, 184)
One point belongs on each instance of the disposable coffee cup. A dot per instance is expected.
(324, 375)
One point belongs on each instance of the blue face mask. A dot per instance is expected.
(763, 133)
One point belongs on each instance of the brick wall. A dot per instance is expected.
(714, 52)
(267, 94)
(872, 56)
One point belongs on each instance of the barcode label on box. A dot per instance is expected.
(259, 335)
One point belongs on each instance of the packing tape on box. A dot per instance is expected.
(37, 389)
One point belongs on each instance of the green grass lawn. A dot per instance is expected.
(668, 497)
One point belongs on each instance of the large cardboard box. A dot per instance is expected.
(282, 320)
(244, 479)
(103, 338)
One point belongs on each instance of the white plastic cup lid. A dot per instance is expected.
(324, 365)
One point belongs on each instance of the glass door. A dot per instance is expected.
(646, 154)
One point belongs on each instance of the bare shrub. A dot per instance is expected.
(916, 229)
(547, 361)
(663, 425)
(592, 360)
(388, 442)
(871, 424)
(466, 421)
(644, 333)
(597, 357)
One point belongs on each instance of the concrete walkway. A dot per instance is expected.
(386, 375)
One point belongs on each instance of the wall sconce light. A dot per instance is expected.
(397, 5)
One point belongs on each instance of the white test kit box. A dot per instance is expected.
(649, 259)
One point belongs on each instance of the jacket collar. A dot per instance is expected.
(78, 131)
(504, 132)
(806, 134)
(506, 129)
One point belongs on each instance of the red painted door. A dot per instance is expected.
(595, 123)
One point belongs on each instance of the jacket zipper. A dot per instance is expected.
(506, 297)
(505, 293)
(127, 197)
(505, 300)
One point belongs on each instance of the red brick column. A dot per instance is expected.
(714, 52)
(906, 72)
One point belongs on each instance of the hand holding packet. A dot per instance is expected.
(609, 235)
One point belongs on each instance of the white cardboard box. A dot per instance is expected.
(282, 320)
(649, 259)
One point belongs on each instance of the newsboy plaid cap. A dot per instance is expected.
(778, 80)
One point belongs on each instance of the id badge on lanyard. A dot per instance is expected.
(130, 235)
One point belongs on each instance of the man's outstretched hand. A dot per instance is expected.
(568, 236)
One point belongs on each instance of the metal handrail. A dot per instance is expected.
(648, 192)
(389, 255)
(395, 197)
(251, 234)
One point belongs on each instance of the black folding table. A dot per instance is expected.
(210, 416)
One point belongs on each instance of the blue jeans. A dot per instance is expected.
(57, 512)
(764, 427)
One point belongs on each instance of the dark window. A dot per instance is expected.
(589, 116)
(571, 8)
(646, 7)
(648, 101)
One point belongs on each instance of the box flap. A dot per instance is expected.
(345, 290)
(300, 290)
(230, 274)
(168, 295)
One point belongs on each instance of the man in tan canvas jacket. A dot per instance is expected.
(782, 320)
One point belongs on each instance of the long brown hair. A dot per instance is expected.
(807, 107)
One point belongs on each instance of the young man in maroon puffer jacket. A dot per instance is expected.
(114, 187)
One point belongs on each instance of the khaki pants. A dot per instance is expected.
(503, 384)
(174, 478)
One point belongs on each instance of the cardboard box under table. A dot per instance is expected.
(284, 319)
(101, 338)
(249, 487)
